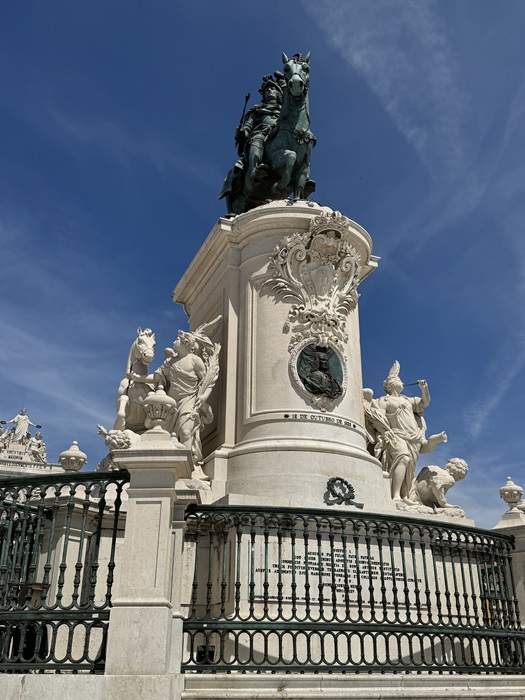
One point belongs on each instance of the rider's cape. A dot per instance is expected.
(233, 180)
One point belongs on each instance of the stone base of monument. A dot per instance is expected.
(89, 687)
(236, 686)
(356, 686)
(289, 472)
(284, 278)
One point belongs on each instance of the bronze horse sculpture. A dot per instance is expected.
(284, 169)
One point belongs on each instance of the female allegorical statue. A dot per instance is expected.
(22, 424)
(397, 429)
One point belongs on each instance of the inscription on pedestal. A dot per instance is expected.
(322, 574)
(319, 418)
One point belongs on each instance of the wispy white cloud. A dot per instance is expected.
(60, 373)
(403, 50)
(439, 211)
(492, 181)
(515, 114)
(116, 142)
(63, 355)
(496, 382)
(489, 466)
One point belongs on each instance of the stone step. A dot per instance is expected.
(253, 686)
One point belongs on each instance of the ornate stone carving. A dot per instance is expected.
(160, 409)
(188, 375)
(115, 439)
(21, 429)
(433, 483)
(73, 460)
(396, 432)
(136, 384)
(17, 444)
(318, 271)
(339, 491)
(511, 494)
(174, 398)
(36, 449)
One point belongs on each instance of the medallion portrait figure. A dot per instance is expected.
(320, 371)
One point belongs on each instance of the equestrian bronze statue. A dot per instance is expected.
(274, 142)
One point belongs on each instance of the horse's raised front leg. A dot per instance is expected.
(286, 161)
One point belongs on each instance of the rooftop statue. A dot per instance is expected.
(22, 424)
(36, 448)
(17, 443)
(396, 428)
(274, 142)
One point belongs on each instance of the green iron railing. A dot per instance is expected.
(58, 537)
(284, 589)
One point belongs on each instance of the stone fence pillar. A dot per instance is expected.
(145, 620)
(513, 523)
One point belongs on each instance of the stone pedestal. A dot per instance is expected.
(324, 686)
(145, 619)
(272, 442)
(513, 523)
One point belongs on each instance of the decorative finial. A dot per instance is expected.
(72, 460)
(511, 493)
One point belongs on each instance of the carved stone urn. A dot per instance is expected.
(72, 460)
(160, 410)
(511, 493)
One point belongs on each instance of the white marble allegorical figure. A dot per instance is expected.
(433, 482)
(188, 375)
(397, 430)
(36, 448)
(22, 424)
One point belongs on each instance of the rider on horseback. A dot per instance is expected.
(251, 135)
(274, 142)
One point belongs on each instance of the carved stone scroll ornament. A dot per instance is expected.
(318, 271)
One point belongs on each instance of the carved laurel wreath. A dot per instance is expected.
(339, 491)
(318, 271)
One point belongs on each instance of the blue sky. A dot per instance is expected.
(117, 121)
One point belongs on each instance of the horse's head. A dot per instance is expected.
(145, 345)
(297, 73)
